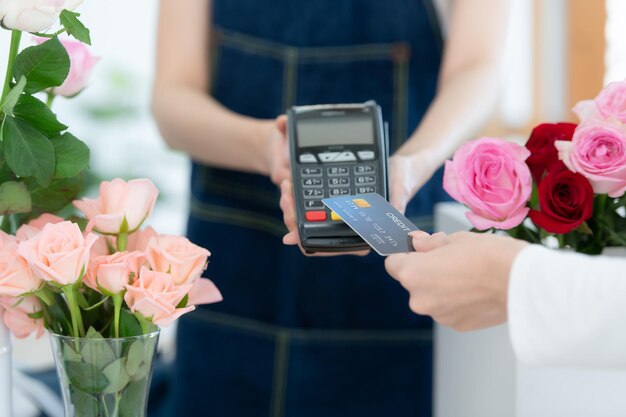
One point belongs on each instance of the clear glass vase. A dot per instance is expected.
(103, 377)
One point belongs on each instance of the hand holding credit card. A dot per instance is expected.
(383, 227)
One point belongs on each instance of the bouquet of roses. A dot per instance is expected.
(101, 284)
(112, 278)
(566, 184)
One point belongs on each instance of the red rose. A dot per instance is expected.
(543, 155)
(565, 200)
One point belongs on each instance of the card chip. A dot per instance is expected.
(361, 203)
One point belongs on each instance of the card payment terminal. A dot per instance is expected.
(336, 149)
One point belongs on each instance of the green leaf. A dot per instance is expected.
(14, 198)
(75, 27)
(69, 354)
(134, 358)
(97, 352)
(44, 66)
(117, 376)
(37, 114)
(27, 151)
(86, 377)
(58, 320)
(11, 99)
(71, 155)
(85, 405)
(129, 326)
(57, 195)
(134, 398)
(183, 302)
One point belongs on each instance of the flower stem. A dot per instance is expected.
(72, 304)
(122, 242)
(16, 36)
(50, 100)
(46, 295)
(117, 307)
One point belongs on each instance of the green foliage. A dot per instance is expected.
(14, 198)
(28, 151)
(44, 66)
(71, 154)
(55, 196)
(12, 97)
(74, 27)
(35, 112)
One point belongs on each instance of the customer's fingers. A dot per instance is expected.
(422, 242)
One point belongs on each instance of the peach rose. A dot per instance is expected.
(176, 255)
(140, 239)
(16, 316)
(155, 296)
(26, 231)
(16, 278)
(59, 253)
(111, 274)
(120, 202)
(204, 291)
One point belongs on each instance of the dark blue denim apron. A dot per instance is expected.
(297, 336)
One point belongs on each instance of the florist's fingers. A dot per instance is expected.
(281, 123)
(289, 214)
(422, 242)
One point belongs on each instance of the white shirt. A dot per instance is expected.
(567, 309)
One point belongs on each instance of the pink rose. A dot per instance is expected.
(119, 202)
(155, 296)
(16, 277)
(33, 15)
(82, 63)
(26, 231)
(177, 256)
(491, 178)
(140, 239)
(610, 104)
(16, 316)
(598, 151)
(112, 273)
(59, 253)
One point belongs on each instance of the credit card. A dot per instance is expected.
(383, 227)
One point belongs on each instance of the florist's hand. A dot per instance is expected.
(407, 174)
(461, 280)
(277, 151)
(287, 205)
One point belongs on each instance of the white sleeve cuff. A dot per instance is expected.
(567, 309)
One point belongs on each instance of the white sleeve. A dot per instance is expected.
(567, 309)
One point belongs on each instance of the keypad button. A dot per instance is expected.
(364, 169)
(366, 155)
(345, 157)
(313, 193)
(334, 171)
(311, 172)
(315, 216)
(339, 191)
(308, 158)
(312, 182)
(365, 190)
(365, 180)
(328, 156)
(313, 204)
(338, 182)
